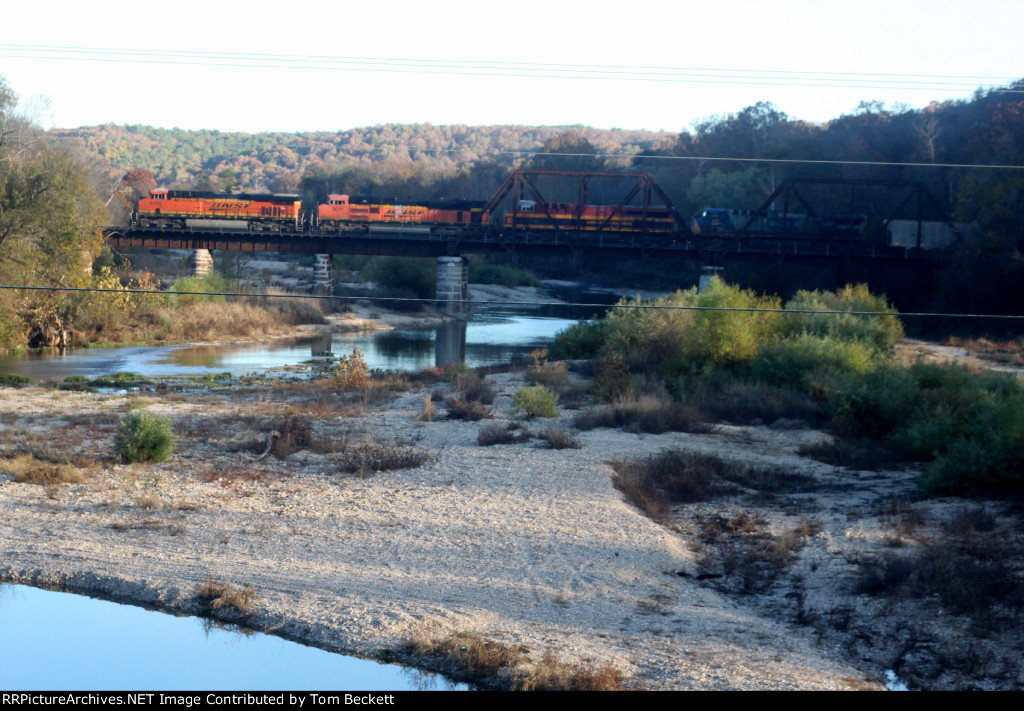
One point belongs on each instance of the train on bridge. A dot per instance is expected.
(192, 210)
(656, 222)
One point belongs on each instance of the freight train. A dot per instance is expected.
(192, 210)
(181, 209)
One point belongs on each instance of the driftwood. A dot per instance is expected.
(270, 445)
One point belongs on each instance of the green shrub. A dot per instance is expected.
(876, 332)
(581, 340)
(418, 276)
(9, 380)
(676, 340)
(211, 284)
(535, 402)
(807, 362)
(481, 272)
(143, 437)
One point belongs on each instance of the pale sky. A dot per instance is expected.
(186, 71)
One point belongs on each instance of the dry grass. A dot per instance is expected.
(473, 410)
(651, 414)
(854, 453)
(493, 665)
(561, 438)
(370, 457)
(27, 469)
(427, 414)
(511, 433)
(221, 596)
(211, 320)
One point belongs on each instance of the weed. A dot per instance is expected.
(533, 402)
(852, 452)
(561, 438)
(510, 433)
(27, 469)
(369, 457)
(9, 380)
(148, 501)
(351, 371)
(494, 665)
(142, 437)
(427, 414)
(471, 387)
(219, 596)
(647, 414)
(550, 375)
(460, 409)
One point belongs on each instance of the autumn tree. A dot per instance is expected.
(50, 220)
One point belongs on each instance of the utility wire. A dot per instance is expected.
(500, 69)
(507, 303)
(420, 61)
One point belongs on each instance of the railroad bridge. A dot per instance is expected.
(818, 240)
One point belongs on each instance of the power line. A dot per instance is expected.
(809, 79)
(318, 57)
(468, 302)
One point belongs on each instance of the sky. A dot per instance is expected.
(655, 65)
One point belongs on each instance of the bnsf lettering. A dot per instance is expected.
(228, 205)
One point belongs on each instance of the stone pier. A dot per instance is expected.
(453, 285)
(202, 263)
(323, 274)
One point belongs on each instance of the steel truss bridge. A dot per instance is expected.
(576, 238)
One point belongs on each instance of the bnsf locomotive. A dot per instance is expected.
(183, 209)
(191, 209)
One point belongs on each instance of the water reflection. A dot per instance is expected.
(61, 641)
(493, 336)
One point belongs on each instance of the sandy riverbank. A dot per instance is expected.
(517, 543)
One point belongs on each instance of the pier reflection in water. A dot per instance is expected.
(489, 338)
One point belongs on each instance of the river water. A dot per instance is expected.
(492, 336)
(69, 641)
(59, 641)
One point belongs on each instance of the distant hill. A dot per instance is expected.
(277, 161)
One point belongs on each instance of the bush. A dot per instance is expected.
(212, 284)
(8, 380)
(808, 362)
(143, 437)
(678, 339)
(535, 402)
(581, 340)
(876, 332)
(351, 372)
(510, 433)
(561, 438)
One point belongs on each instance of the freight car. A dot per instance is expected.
(529, 214)
(715, 221)
(177, 209)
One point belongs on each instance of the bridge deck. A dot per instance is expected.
(416, 243)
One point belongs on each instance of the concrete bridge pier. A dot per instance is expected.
(706, 275)
(323, 274)
(453, 285)
(202, 263)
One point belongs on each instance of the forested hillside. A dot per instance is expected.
(970, 155)
(388, 154)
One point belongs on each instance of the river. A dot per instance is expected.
(68, 641)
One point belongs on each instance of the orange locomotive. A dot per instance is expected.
(203, 210)
(568, 216)
(343, 212)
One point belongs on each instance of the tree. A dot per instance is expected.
(50, 227)
(567, 151)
